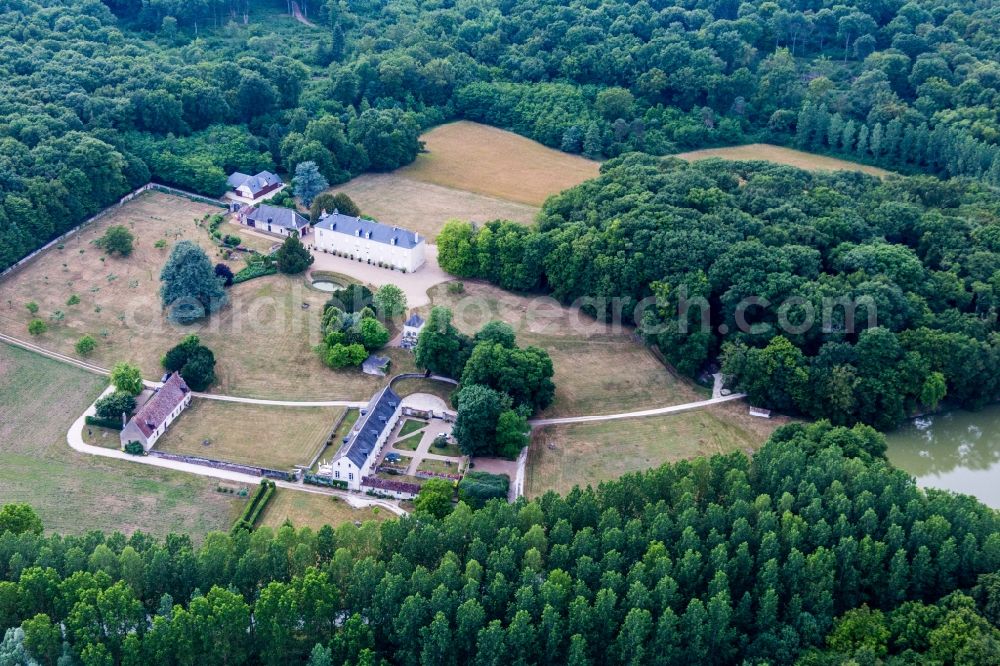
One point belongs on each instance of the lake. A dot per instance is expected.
(957, 451)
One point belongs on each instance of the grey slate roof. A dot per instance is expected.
(375, 365)
(376, 231)
(415, 321)
(277, 216)
(257, 184)
(370, 427)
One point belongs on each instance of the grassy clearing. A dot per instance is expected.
(305, 509)
(411, 426)
(408, 443)
(497, 163)
(263, 340)
(561, 457)
(105, 437)
(424, 207)
(73, 492)
(781, 155)
(275, 437)
(405, 387)
(439, 466)
(447, 450)
(350, 418)
(598, 369)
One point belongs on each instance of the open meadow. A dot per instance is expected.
(598, 370)
(782, 155)
(305, 509)
(563, 456)
(263, 340)
(72, 492)
(425, 207)
(487, 160)
(275, 437)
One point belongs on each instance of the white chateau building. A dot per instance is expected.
(367, 240)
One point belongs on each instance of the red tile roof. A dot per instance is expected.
(156, 410)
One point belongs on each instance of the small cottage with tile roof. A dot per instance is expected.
(367, 240)
(273, 219)
(154, 417)
(254, 189)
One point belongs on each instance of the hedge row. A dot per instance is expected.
(113, 424)
(254, 271)
(317, 480)
(253, 509)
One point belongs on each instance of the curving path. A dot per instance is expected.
(672, 409)
(75, 439)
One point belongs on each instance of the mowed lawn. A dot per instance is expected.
(73, 492)
(269, 436)
(583, 454)
(782, 155)
(263, 340)
(305, 509)
(424, 207)
(599, 369)
(494, 162)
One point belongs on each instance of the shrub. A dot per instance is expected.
(231, 240)
(97, 421)
(255, 270)
(253, 509)
(37, 327)
(456, 287)
(116, 239)
(32, 307)
(225, 272)
(111, 406)
(477, 488)
(85, 345)
(73, 300)
(134, 449)
(126, 377)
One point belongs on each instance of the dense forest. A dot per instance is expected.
(97, 98)
(815, 550)
(875, 298)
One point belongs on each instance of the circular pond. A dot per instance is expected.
(329, 286)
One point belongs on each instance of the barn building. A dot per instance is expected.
(359, 453)
(154, 417)
(252, 190)
(274, 220)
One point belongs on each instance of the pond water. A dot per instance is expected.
(327, 285)
(957, 451)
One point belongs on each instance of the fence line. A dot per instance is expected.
(24, 261)
(253, 470)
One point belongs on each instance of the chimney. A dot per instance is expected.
(124, 421)
(323, 214)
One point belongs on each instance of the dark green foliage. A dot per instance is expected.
(477, 488)
(352, 298)
(226, 273)
(441, 348)
(479, 411)
(111, 406)
(915, 259)
(257, 266)
(194, 361)
(110, 423)
(292, 257)
(19, 519)
(255, 506)
(116, 239)
(725, 560)
(434, 498)
(134, 449)
(190, 288)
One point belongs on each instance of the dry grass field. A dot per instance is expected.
(478, 158)
(262, 340)
(781, 155)
(425, 207)
(598, 369)
(305, 509)
(275, 437)
(72, 492)
(561, 457)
